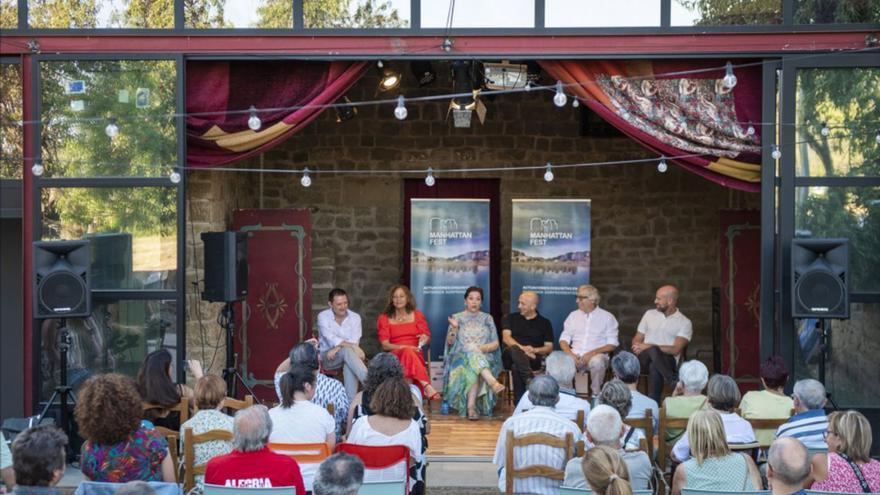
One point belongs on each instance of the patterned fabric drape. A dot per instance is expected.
(214, 87)
(692, 115)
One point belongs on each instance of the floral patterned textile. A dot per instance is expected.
(206, 420)
(842, 479)
(464, 362)
(137, 458)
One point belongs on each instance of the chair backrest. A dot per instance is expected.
(666, 423)
(304, 453)
(567, 490)
(566, 443)
(190, 439)
(181, 408)
(173, 439)
(382, 463)
(647, 425)
(103, 488)
(382, 487)
(237, 405)
(579, 420)
(233, 490)
(688, 491)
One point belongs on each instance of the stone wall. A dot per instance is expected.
(648, 228)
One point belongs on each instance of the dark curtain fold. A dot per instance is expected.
(291, 91)
(691, 116)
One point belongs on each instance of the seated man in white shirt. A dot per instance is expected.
(589, 334)
(544, 394)
(339, 332)
(560, 367)
(604, 427)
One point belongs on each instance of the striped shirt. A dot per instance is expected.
(568, 406)
(539, 419)
(809, 427)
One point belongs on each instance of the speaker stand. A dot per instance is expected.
(230, 373)
(824, 327)
(63, 393)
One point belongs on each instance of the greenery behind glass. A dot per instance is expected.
(11, 131)
(734, 12)
(836, 11)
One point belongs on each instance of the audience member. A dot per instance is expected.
(626, 368)
(391, 423)
(7, 474)
(118, 447)
(604, 429)
(770, 403)
(251, 464)
(617, 395)
(723, 396)
(688, 396)
(339, 474)
(210, 392)
(660, 340)
(38, 456)
(589, 334)
(542, 418)
(296, 420)
(339, 329)
(327, 390)
(136, 488)
(156, 386)
(561, 367)
(847, 467)
(713, 466)
(527, 337)
(605, 473)
(809, 422)
(788, 466)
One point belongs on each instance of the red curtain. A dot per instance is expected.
(292, 91)
(677, 114)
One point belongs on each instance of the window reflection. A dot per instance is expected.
(65, 14)
(599, 13)
(216, 14)
(836, 11)
(320, 14)
(725, 12)
(479, 13)
(11, 131)
(8, 14)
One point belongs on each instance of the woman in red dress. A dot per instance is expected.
(403, 331)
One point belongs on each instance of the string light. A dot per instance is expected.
(306, 181)
(825, 130)
(559, 99)
(527, 87)
(429, 179)
(662, 167)
(112, 130)
(729, 80)
(750, 131)
(575, 102)
(877, 137)
(37, 169)
(174, 177)
(776, 154)
(254, 122)
(548, 175)
(400, 112)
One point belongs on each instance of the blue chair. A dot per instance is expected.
(565, 490)
(102, 488)
(232, 490)
(688, 491)
(382, 487)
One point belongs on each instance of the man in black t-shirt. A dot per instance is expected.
(527, 338)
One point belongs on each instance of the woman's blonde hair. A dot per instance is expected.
(854, 432)
(706, 435)
(605, 471)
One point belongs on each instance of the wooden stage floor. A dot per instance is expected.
(455, 438)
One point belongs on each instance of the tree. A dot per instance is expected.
(11, 135)
(63, 13)
(319, 14)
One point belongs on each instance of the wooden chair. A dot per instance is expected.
(665, 423)
(181, 408)
(579, 420)
(511, 473)
(173, 439)
(190, 439)
(237, 405)
(766, 423)
(647, 425)
(304, 453)
(331, 408)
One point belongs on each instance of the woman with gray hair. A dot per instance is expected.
(687, 398)
(723, 397)
(617, 395)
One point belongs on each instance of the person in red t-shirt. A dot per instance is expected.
(251, 464)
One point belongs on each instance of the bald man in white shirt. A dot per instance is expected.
(589, 334)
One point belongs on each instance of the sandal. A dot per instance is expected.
(498, 388)
(472, 414)
(435, 396)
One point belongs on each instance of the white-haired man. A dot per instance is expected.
(560, 367)
(589, 334)
(809, 422)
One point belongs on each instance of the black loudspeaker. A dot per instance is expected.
(62, 280)
(820, 278)
(226, 268)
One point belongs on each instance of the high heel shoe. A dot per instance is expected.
(436, 396)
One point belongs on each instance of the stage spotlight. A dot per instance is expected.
(390, 78)
(423, 72)
(346, 112)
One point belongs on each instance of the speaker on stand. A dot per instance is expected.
(820, 287)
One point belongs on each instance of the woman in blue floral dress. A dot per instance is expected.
(473, 359)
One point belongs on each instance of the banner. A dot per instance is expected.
(550, 254)
(449, 253)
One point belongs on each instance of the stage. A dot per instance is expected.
(454, 438)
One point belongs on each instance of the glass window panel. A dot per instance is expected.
(65, 14)
(79, 99)
(356, 14)
(479, 14)
(8, 14)
(848, 101)
(207, 14)
(851, 212)
(725, 12)
(853, 355)
(115, 338)
(836, 12)
(133, 232)
(11, 131)
(599, 13)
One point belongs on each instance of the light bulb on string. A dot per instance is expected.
(254, 122)
(37, 169)
(548, 174)
(825, 130)
(429, 179)
(559, 99)
(528, 87)
(877, 137)
(750, 130)
(400, 112)
(112, 130)
(776, 154)
(575, 102)
(729, 79)
(175, 176)
(305, 181)
(662, 167)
